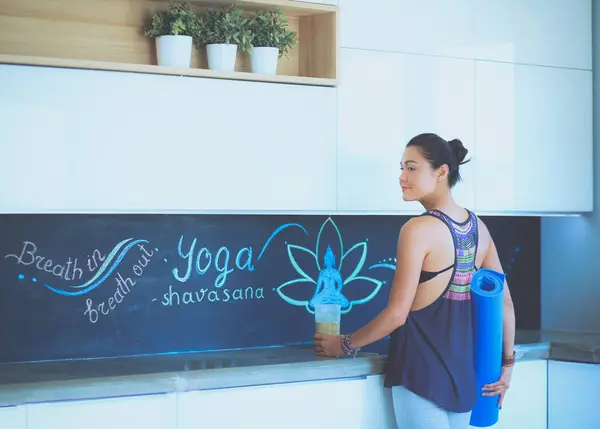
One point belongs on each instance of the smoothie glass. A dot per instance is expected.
(328, 318)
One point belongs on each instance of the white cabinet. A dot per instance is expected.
(148, 412)
(436, 27)
(573, 395)
(534, 139)
(82, 140)
(379, 406)
(542, 32)
(385, 99)
(324, 404)
(525, 403)
(13, 417)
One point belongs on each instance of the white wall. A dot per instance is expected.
(571, 246)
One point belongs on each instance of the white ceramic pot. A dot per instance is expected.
(221, 56)
(264, 60)
(174, 51)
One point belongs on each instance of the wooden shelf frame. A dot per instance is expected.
(108, 35)
(151, 69)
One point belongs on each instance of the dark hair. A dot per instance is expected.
(439, 152)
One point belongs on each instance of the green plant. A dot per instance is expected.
(269, 29)
(228, 26)
(179, 20)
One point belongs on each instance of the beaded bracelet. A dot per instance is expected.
(347, 346)
(508, 361)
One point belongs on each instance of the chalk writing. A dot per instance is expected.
(138, 269)
(102, 264)
(123, 288)
(93, 262)
(203, 260)
(93, 311)
(194, 258)
(175, 298)
(28, 256)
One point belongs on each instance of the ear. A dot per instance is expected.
(442, 173)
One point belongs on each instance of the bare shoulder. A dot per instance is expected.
(485, 238)
(482, 227)
(419, 224)
(421, 230)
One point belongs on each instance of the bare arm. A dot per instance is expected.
(410, 253)
(492, 261)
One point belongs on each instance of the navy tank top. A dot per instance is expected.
(432, 353)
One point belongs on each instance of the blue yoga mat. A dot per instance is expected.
(487, 293)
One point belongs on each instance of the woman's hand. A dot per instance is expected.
(328, 345)
(499, 387)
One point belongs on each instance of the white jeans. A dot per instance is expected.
(414, 412)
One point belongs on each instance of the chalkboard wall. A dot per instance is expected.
(81, 286)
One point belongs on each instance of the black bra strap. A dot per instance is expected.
(444, 270)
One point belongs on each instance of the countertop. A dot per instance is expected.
(22, 383)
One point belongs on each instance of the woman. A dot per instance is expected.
(430, 361)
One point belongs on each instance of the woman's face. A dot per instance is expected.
(417, 179)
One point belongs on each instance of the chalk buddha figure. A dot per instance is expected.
(329, 284)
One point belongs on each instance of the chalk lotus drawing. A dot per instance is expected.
(328, 286)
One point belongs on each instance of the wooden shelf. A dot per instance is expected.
(108, 35)
(150, 69)
(289, 7)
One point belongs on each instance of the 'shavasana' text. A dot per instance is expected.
(172, 297)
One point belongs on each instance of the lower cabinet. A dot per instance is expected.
(143, 412)
(543, 395)
(378, 407)
(322, 404)
(13, 417)
(573, 395)
(525, 403)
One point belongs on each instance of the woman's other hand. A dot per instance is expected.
(499, 387)
(328, 345)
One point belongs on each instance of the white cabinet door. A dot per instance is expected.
(534, 139)
(379, 406)
(573, 395)
(13, 417)
(325, 404)
(436, 27)
(544, 32)
(147, 412)
(385, 99)
(82, 140)
(525, 404)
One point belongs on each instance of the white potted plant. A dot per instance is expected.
(173, 30)
(223, 32)
(270, 40)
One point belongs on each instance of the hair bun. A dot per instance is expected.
(458, 149)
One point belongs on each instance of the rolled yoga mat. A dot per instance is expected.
(487, 293)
